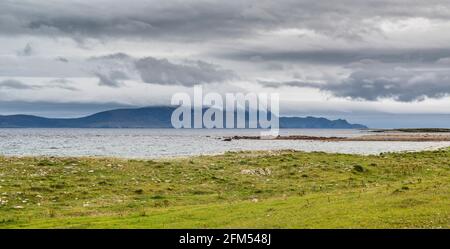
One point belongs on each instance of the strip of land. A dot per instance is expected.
(281, 189)
(400, 137)
(414, 130)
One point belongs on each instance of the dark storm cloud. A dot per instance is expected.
(120, 66)
(372, 84)
(197, 20)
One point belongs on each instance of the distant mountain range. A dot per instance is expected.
(148, 117)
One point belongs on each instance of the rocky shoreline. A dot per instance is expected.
(410, 137)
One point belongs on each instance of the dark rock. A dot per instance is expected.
(359, 168)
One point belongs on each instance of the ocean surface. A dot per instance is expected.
(155, 143)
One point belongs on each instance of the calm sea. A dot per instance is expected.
(153, 143)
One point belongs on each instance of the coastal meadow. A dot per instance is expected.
(271, 189)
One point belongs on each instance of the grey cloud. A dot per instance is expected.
(196, 20)
(15, 84)
(293, 83)
(372, 84)
(344, 56)
(19, 85)
(401, 74)
(61, 83)
(86, 19)
(444, 61)
(403, 86)
(112, 79)
(116, 67)
(113, 57)
(161, 71)
(111, 70)
(373, 64)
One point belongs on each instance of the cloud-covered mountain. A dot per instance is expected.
(148, 117)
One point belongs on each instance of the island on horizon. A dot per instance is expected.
(151, 117)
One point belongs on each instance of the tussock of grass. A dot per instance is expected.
(284, 189)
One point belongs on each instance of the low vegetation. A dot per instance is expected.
(284, 189)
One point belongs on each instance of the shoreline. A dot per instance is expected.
(246, 151)
(393, 137)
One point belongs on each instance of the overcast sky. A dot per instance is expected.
(342, 58)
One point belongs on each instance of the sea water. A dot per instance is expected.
(155, 143)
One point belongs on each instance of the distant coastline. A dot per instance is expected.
(150, 117)
(414, 130)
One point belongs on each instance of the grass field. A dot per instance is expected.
(283, 189)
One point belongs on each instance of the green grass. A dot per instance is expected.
(284, 189)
